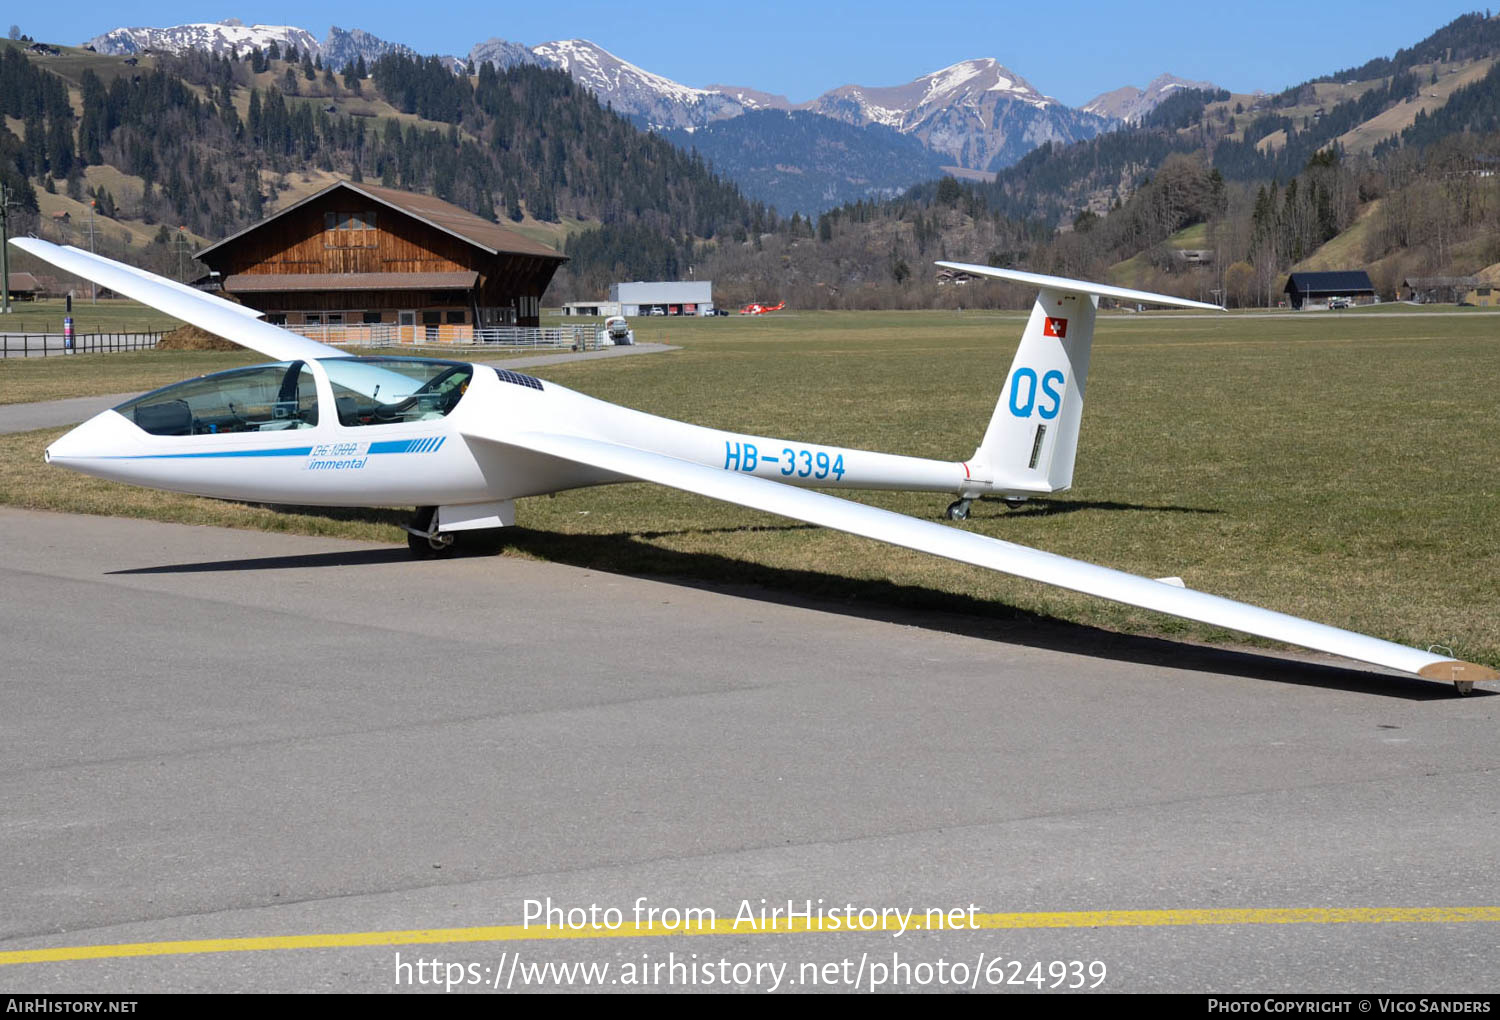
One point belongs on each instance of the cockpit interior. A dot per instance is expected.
(284, 395)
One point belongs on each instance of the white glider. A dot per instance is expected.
(463, 441)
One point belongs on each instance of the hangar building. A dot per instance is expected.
(681, 297)
(358, 254)
(1353, 284)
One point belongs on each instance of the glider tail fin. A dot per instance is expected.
(1032, 439)
(1033, 434)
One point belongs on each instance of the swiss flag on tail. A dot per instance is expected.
(1055, 327)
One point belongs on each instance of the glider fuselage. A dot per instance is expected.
(255, 434)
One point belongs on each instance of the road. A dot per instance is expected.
(213, 735)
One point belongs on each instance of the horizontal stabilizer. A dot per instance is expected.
(1066, 286)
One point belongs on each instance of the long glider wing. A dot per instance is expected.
(222, 318)
(1007, 557)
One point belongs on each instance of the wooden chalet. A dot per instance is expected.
(1452, 290)
(360, 255)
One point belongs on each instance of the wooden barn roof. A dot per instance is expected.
(440, 215)
(1343, 281)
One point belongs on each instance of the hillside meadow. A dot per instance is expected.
(1342, 468)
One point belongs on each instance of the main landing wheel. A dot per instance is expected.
(958, 510)
(422, 541)
(426, 545)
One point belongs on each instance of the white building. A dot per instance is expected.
(592, 309)
(680, 297)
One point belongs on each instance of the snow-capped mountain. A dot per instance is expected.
(223, 37)
(657, 101)
(340, 48)
(752, 99)
(1130, 104)
(977, 113)
(980, 113)
(504, 55)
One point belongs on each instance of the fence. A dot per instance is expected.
(576, 338)
(581, 338)
(42, 345)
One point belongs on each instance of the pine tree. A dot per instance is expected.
(254, 116)
(251, 204)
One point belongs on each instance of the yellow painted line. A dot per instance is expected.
(728, 926)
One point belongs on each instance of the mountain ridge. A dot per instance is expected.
(952, 110)
(1130, 104)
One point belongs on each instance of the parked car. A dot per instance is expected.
(616, 331)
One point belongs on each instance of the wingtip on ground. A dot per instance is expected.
(1455, 671)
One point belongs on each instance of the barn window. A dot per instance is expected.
(349, 229)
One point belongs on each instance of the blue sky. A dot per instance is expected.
(1067, 48)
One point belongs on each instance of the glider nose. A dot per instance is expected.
(100, 436)
(63, 447)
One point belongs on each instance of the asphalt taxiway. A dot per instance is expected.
(209, 735)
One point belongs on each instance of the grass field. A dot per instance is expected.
(56, 377)
(110, 315)
(1342, 468)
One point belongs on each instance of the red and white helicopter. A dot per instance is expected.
(463, 441)
(754, 308)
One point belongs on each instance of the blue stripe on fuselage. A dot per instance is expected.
(294, 451)
(428, 445)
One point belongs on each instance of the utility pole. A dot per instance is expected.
(181, 251)
(93, 287)
(4, 250)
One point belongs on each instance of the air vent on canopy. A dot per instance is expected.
(506, 375)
